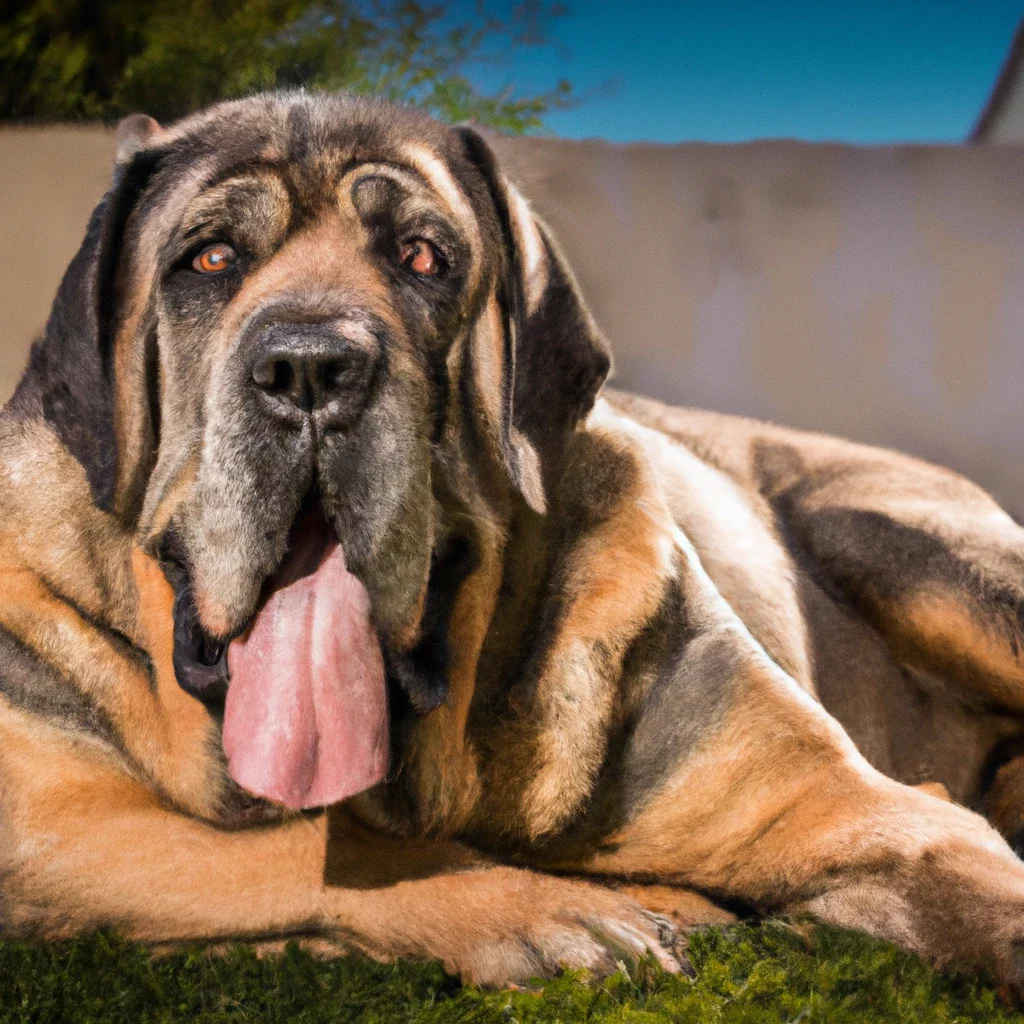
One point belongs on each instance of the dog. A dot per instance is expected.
(314, 497)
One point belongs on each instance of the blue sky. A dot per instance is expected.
(726, 70)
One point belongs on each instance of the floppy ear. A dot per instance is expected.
(554, 358)
(70, 376)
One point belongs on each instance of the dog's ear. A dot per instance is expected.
(70, 379)
(554, 359)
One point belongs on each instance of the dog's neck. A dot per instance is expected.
(540, 635)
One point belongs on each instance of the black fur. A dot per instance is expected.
(561, 362)
(29, 683)
(555, 359)
(121, 642)
(418, 679)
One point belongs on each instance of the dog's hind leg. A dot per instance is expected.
(928, 557)
(932, 562)
(740, 784)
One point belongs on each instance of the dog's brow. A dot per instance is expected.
(400, 174)
(255, 177)
(432, 169)
(253, 168)
(368, 168)
(197, 227)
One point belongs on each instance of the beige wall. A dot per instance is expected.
(874, 293)
(50, 179)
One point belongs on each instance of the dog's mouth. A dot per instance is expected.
(304, 691)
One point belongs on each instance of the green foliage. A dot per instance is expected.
(767, 974)
(65, 59)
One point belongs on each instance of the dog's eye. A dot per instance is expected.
(419, 256)
(214, 258)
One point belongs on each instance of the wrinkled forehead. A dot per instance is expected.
(273, 167)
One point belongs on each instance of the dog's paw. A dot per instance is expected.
(540, 925)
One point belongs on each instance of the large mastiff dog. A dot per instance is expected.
(311, 496)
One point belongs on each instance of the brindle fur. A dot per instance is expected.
(636, 655)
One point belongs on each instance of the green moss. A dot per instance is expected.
(766, 974)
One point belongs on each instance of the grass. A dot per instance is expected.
(761, 974)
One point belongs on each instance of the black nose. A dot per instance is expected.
(311, 370)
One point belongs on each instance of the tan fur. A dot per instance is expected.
(449, 789)
(684, 908)
(942, 630)
(633, 652)
(532, 247)
(732, 529)
(164, 733)
(936, 789)
(576, 688)
(178, 878)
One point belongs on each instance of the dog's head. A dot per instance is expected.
(298, 329)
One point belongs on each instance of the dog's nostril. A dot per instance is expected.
(274, 375)
(334, 373)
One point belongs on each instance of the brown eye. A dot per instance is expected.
(419, 256)
(214, 258)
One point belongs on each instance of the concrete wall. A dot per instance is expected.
(873, 293)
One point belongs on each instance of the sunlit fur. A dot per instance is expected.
(637, 656)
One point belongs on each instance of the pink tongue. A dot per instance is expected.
(306, 719)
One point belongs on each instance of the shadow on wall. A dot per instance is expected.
(876, 293)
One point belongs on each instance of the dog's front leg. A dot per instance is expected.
(103, 851)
